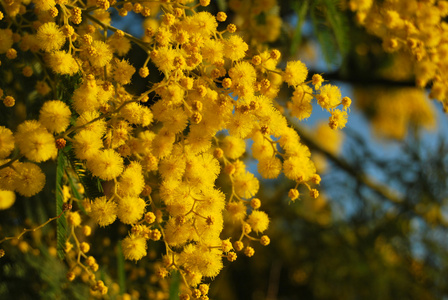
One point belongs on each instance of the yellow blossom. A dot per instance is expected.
(62, 63)
(35, 142)
(6, 142)
(50, 37)
(235, 48)
(233, 147)
(5, 40)
(107, 165)
(103, 212)
(55, 116)
(295, 73)
(30, 179)
(134, 247)
(130, 209)
(7, 199)
(258, 220)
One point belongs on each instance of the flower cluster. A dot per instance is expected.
(415, 27)
(158, 160)
(395, 110)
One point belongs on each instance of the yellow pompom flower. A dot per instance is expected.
(137, 114)
(30, 179)
(235, 48)
(176, 235)
(35, 142)
(295, 73)
(212, 51)
(120, 44)
(180, 201)
(203, 23)
(131, 181)
(197, 140)
(6, 142)
(107, 165)
(240, 125)
(123, 72)
(172, 167)
(162, 144)
(73, 218)
(55, 116)
(293, 194)
(134, 247)
(9, 101)
(173, 94)
(8, 177)
(202, 170)
(62, 63)
(243, 77)
(50, 37)
(233, 147)
(299, 168)
(7, 199)
(5, 40)
(289, 141)
(103, 212)
(209, 229)
(338, 119)
(329, 97)
(85, 98)
(131, 112)
(163, 58)
(87, 144)
(301, 106)
(258, 220)
(246, 185)
(44, 5)
(98, 127)
(130, 209)
(163, 36)
(269, 167)
(98, 53)
(328, 139)
(236, 210)
(317, 81)
(207, 261)
(267, 61)
(362, 5)
(174, 118)
(213, 202)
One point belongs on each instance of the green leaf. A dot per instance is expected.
(90, 183)
(120, 270)
(323, 33)
(338, 22)
(331, 29)
(61, 221)
(73, 186)
(174, 285)
(67, 85)
(301, 9)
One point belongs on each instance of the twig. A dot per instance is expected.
(379, 188)
(25, 230)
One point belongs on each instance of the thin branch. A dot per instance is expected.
(381, 189)
(25, 230)
(365, 81)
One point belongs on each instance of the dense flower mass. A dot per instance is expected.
(415, 28)
(156, 158)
